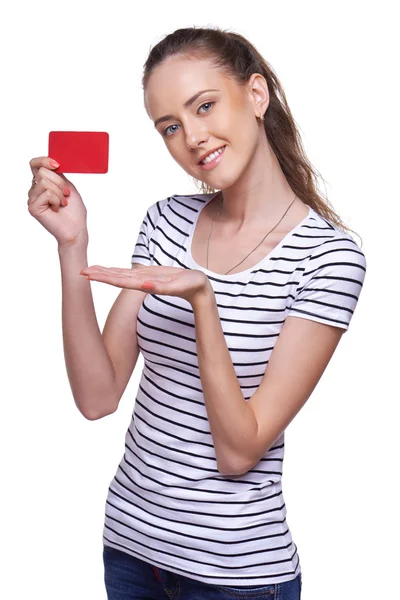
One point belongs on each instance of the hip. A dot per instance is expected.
(127, 576)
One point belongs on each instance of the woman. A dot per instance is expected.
(237, 299)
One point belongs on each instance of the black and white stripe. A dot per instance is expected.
(167, 503)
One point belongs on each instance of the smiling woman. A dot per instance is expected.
(198, 492)
(237, 299)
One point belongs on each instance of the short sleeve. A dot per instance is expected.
(330, 286)
(143, 251)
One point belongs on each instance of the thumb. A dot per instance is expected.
(67, 181)
(157, 286)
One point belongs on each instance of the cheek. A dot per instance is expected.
(223, 126)
(181, 154)
(243, 140)
(237, 127)
(176, 148)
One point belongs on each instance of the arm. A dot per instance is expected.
(98, 366)
(244, 431)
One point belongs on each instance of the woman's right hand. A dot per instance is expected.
(62, 214)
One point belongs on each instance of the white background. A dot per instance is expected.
(78, 66)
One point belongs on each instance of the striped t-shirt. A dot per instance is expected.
(167, 503)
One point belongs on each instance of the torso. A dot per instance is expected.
(227, 250)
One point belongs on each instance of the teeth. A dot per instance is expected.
(211, 157)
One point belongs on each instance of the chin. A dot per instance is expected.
(222, 181)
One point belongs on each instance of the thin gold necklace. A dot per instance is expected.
(239, 263)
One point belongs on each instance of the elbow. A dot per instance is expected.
(94, 413)
(95, 416)
(234, 467)
(234, 464)
(91, 416)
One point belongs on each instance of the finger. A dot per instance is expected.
(113, 275)
(43, 166)
(41, 203)
(150, 271)
(129, 281)
(108, 276)
(115, 270)
(121, 281)
(46, 184)
(57, 178)
(38, 190)
(42, 161)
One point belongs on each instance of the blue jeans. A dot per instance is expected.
(128, 578)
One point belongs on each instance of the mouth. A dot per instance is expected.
(212, 159)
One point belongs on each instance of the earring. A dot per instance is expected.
(260, 119)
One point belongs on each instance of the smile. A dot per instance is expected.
(212, 159)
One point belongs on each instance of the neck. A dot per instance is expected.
(260, 195)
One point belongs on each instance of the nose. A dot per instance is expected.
(195, 135)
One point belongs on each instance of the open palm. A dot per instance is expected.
(169, 281)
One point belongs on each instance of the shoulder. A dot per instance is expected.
(330, 243)
(334, 257)
(187, 200)
(178, 208)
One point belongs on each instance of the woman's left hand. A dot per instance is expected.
(188, 284)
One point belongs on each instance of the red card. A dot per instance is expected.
(79, 151)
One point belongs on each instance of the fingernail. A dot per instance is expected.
(54, 164)
(66, 191)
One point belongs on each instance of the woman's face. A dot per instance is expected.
(225, 116)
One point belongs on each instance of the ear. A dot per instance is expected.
(259, 95)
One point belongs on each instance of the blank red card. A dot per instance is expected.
(79, 151)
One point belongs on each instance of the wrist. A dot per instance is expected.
(78, 243)
(204, 297)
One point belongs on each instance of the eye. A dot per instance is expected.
(207, 104)
(165, 131)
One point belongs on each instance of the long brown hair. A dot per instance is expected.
(238, 58)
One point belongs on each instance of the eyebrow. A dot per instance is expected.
(186, 105)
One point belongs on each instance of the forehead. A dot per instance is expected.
(178, 78)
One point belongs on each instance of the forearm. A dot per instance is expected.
(89, 367)
(232, 422)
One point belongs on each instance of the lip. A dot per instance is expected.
(210, 165)
(210, 152)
